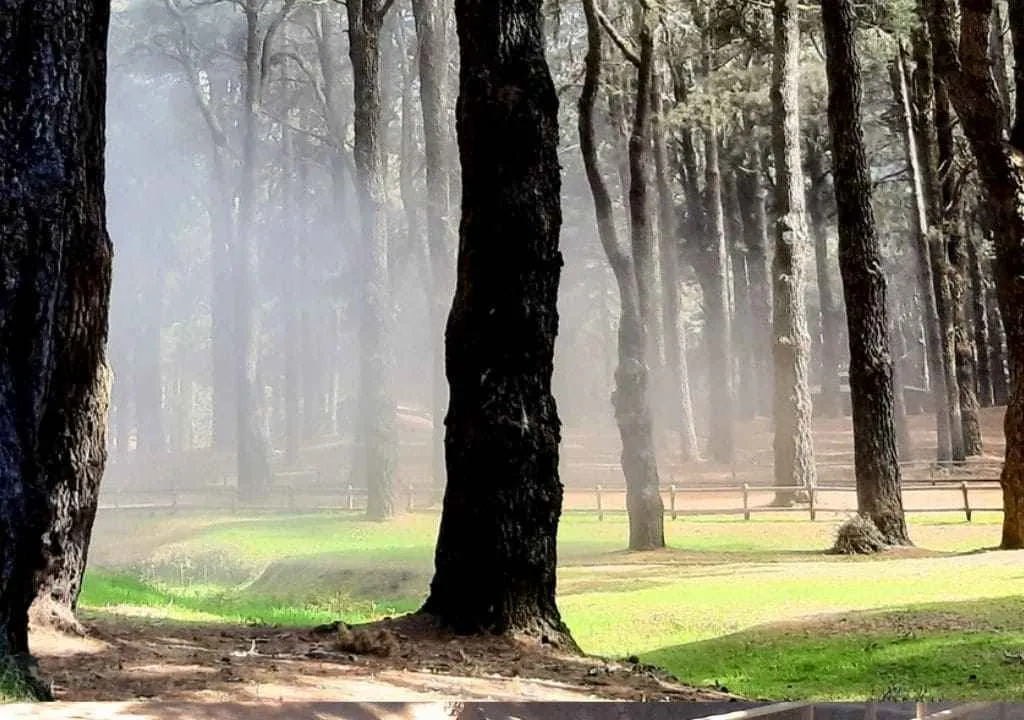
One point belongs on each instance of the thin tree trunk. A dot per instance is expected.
(503, 498)
(917, 160)
(830, 401)
(56, 257)
(681, 404)
(979, 322)
(225, 432)
(860, 260)
(431, 37)
(377, 414)
(791, 343)
(742, 322)
(753, 195)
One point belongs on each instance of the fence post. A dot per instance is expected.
(812, 493)
(967, 505)
(600, 509)
(746, 501)
(672, 500)
(349, 500)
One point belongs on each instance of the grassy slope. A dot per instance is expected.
(695, 610)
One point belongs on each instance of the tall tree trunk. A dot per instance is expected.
(955, 261)
(149, 406)
(830, 402)
(290, 294)
(753, 195)
(503, 498)
(225, 433)
(917, 160)
(965, 69)
(997, 349)
(979, 321)
(377, 427)
(56, 257)
(677, 367)
(742, 322)
(791, 343)
(251, 450)
(432, 53)
(860, 261)
(935, 235)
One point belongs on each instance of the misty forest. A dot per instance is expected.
(509, 349)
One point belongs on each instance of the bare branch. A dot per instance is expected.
(622, 43)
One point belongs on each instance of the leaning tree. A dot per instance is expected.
(55, 258)
(495, 557)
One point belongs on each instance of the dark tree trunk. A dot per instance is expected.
(963, 65)
(860, 261)
(56, 256)
(979, 322)
(432, 54)
(496, 556)
(753, 194)
(791, 343)
(997, 349)
(376, 428)
(830, 401)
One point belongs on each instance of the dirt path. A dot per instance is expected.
(405, 660)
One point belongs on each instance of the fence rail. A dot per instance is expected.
(746, 499)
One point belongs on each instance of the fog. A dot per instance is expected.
(184, 227)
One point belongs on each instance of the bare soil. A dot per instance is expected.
(132, 660)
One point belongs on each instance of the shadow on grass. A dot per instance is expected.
(930, 652)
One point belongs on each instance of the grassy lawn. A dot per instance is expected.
(753, 606)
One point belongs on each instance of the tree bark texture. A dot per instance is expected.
(791, 342)
(974, 95)
(376, 429)
(631, 397)
(496, 550)
(55, 256)
(860, 261)
(979, 321)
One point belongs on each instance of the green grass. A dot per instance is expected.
(702, 610)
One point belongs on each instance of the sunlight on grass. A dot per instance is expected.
(693, 609)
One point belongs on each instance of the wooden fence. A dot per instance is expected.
(686, 501)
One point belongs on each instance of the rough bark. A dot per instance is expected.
(975, 97)
(496, 550)
(979, 321)
(997, 348)
(431, 17)
(955, 261)
(677, 367)
(56, 258)
(830, 401)
(860, 260)
(376, 429)
(791, 342)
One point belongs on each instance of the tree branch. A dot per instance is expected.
(622, 43)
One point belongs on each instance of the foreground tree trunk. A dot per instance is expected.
(496, 557)
(56, 257)
(860, 260)
(791, 342)
(376, 428)
(975, 96)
